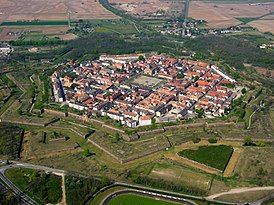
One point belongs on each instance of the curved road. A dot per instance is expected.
(146, 194)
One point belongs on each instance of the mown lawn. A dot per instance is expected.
(213, 156)
(131, 199)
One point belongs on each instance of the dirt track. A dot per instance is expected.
(233, 162)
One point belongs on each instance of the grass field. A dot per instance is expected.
(120, 26)
(35, 23)
(213, 156)
(181, 175)
(42, 187)
(132, 199)
(257, 164)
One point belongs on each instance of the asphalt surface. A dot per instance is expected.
(147, 194)
(17, 191)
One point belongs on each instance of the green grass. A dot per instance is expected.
(43, 188)
(247, 19)
(34, 23)
(213, 156)
(131, 199)
(114, 26)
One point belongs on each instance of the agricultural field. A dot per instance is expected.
(117, 26)
(9, 33)
(31, 10)
(223, 14)
(133, 199)
(150, 9)
(264, 25)
(42, 187)
(213, 156)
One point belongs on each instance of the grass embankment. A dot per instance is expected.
(43, 187)
(213, 156)
(132, 199)
(9, 141)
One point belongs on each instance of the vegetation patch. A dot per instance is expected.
(35, 23)
(246, 20)
(9, 140)
(7, 197)
(133, 199)
(213, 156)
(79, 190)
(41, 186)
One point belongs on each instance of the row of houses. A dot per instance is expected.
(102, 88)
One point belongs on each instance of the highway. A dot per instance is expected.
(147, 194)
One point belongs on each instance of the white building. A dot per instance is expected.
(144, 120)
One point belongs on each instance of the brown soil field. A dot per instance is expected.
(150, 8)
(265, 72)
(224, 15)
(66, 37)
(263, 25)
(13, 10)
(268, 17)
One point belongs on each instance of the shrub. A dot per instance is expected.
(212, 140)
(196, 140)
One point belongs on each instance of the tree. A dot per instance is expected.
(236, 75)
(87, 153)
(196, 78)
(200, 112)
(180, 75)
(141, 58)
(117, 136)
(260, 144)
(248, 142)
(243, 91)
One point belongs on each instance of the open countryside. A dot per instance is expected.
(136, 102)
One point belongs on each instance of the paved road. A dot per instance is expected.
(146, 194)
(26, 199)
(17, 191)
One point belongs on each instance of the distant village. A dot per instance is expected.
(137, 90)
